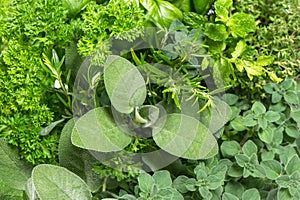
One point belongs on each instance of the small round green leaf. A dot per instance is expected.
(292, 131)
(230, 148)
(249, 148)
(185, 137)
(258, 108)
(272, 116)
(291, 97)
(124, 84)
(58, 183)
(97, 130)
(251, 194)
(272, 168)
(266, 135)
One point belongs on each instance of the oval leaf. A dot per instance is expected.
(162, 13)
(58, 183)
(77, 160)
(124, 84)
(97, 130)
(185, 137)
(14, 172)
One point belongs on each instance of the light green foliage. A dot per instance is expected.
(36, 23)
(124, 84)
(28, 29)
(272, 39)
(23, 104)
(161, 12)
(121, 20)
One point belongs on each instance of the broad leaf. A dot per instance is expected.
(272, 168)
(8, 193)
(264, 60)
(185, 137)
(291, 97)
(230, 148)
(75, 6)
(146, 182)
(229, 196)
(162, 13)
(216, 32)
(124, 84)
(13, 171)
(251, 194)
(97, 130)
(249, 148)
(162, 179)
(59, 183)
(293, 165)
(241, 24)
(75, 159)
(258, 108)
(216, 116)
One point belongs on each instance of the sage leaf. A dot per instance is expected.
(185, 137)
(124, 84)
(162, 179)
(292, 131)
(258, 108)
(77, 160)
(97, 130)
(58, 182)
(14, 172)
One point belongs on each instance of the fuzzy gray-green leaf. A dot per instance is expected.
(97, 130)
(185, 137)
(124, 84)
(58, 182)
